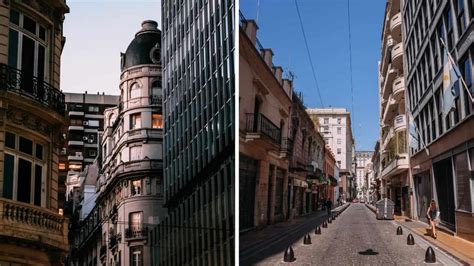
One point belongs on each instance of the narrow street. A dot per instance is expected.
(354, 238)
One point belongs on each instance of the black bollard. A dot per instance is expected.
(289, 255)
(307, 240)
(399, 231)
(430, 256)
(329, 220)
(410, 240)
(325, 225)
(334, 217)
(317, 231)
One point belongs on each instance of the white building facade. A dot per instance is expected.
(362, 159)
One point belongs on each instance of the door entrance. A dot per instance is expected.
(443, 174)
(247, 180)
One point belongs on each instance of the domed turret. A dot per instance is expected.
(144, 48)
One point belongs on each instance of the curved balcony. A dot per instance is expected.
(399, 122)
(76, 128)
(31, 87)
(398, 88)
(395, 27)
(136, 167)
(33, 224)
(397, 56)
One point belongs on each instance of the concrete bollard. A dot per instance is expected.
(410, 240)
(317, 231)
(399, 231)
(430, 256)
(325, 225)
(307, 240)
(289, 255)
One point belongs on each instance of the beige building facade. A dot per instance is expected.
(264, 111)
(32, 230)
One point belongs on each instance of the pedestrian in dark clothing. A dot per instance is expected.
(329, 205)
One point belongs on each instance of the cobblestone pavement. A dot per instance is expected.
(348, 241)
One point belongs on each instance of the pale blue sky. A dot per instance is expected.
(96, 32)
(326, 27)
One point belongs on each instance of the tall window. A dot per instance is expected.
(460, 16)
(135, 121)
(467, 74)
(136, 256)
(339, 141)
(24, 170)
(338, 150)
(27, 47)
(339, 121)
(326, 120)
(156, 87)
(157, 121)
(136, 189)
(135, 221)
(339, 130)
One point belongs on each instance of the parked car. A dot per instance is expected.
(355, 201)
(362, 201)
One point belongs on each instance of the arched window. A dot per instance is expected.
(156, 87)
(135, 91)
(112, 119)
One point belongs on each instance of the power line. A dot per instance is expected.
(350, 58)
(309, 54)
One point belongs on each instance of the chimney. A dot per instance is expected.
(287, 87)
(268, 56)
(278, 70)
(251, 30)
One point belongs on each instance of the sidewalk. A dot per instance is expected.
(455, 246)
(255, 240)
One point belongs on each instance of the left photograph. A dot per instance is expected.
(117, 132)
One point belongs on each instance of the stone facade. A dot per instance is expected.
(264, 106)
(32, 231)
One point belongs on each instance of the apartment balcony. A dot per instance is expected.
(76, 113)
(136, 234)
(31, 87)
(399, 122)
(258, 126)
(397, 56)
(396, 27)
(286, 148)
(75, 157)
(156, 100)
(398, 88)
(395, 156)
(76, 128)
(30, 223)
(135, 167)
(395, 166)
(75, 143)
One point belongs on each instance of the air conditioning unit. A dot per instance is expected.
(84, 138)
(78, 153)
(85, 123)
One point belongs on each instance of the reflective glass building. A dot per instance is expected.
(198, 90)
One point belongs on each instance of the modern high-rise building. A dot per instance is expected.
(335, 127)
(82, 141)
(31, 118)
(393, 120)
(198, 89)
(442, 164)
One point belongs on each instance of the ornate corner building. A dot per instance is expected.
(130, 189)
(31, 114)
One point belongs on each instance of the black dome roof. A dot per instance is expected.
(144, 48)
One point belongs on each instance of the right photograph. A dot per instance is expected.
(355, 132)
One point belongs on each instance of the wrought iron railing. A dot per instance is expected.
(258, 123)
(156, 100)
(134, 233)
(114, 239)
(13, 80)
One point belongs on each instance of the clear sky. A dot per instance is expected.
(96, 32)
(326, 27)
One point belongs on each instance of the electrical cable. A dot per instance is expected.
(309, 55)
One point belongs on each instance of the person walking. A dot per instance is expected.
(329, 205)
(432, 214)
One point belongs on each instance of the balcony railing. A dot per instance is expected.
(287, 146)
(13, 80)
(114, 239)
(136, 233)
(258, 123)
(156, 100)
(33, 223)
